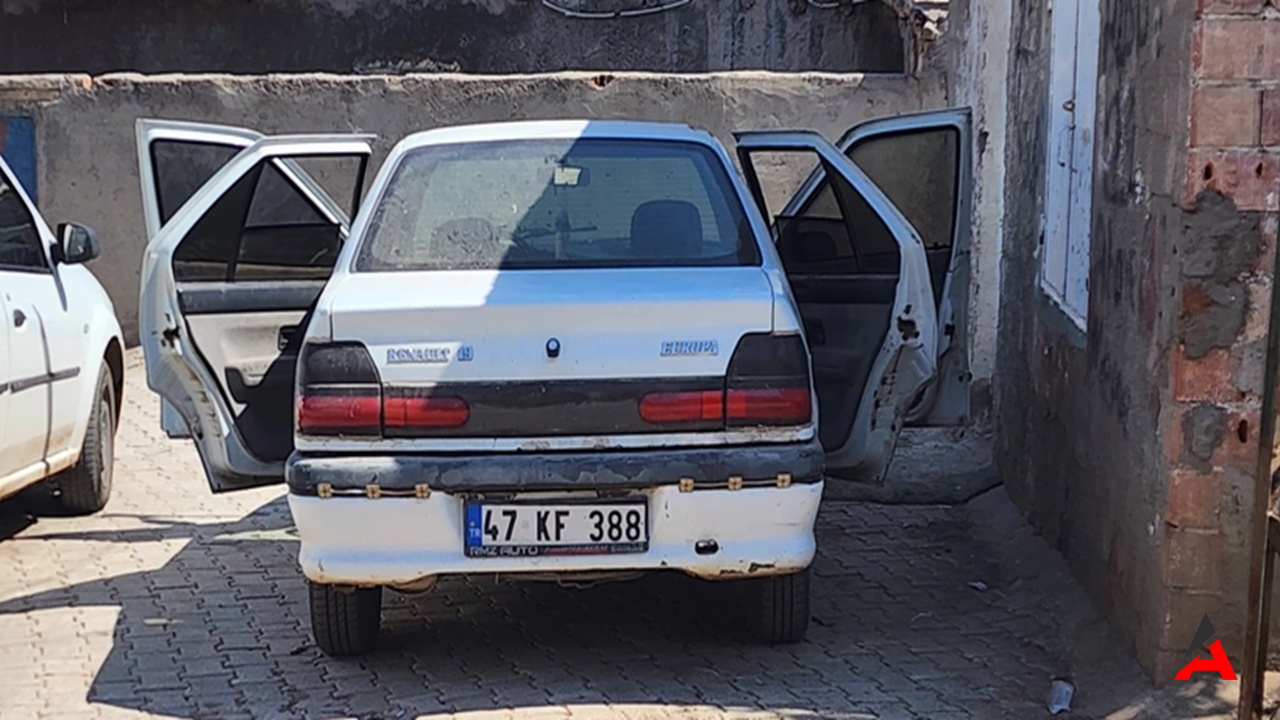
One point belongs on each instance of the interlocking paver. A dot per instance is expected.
(166, 604)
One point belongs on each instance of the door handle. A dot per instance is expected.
(19, 318)
(286, 335)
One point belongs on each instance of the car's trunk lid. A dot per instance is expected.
(538, 353)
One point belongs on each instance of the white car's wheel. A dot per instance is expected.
(345, 621)
(86, 487)
(777, 608)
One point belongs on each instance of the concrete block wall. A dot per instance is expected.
(87, 162)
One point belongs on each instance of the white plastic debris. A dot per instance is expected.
(978, 585)
(1060, 694)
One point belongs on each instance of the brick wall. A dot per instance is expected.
(1230, 201)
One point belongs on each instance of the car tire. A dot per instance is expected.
(85, 488)
(345, 621)
(777, 608)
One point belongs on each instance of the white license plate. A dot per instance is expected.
(526, 530)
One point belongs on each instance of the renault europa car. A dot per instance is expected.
(552, 350)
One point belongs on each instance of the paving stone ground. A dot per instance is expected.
(174, 602)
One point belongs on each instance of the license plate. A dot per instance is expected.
(536, 529)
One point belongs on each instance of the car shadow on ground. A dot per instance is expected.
(221, 630)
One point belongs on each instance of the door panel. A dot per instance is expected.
(247, 335)
(29, 391)
(247, 354)
(860, 276)
(226, 282)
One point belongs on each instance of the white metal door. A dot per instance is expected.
(29, 293)
(905, 363)
(166, 186)
(175, 368)
(923, 162)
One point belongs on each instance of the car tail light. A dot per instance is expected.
(678, 407)
(768, 382)
(406, 411)
(339, 392)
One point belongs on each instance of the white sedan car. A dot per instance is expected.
(553, 350)
(61, 358)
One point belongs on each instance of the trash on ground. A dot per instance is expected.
(978, 585)
(1060, 694)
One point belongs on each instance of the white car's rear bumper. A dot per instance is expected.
(404, 540)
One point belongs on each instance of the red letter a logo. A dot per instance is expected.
(1219, 664)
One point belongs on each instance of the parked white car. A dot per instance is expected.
(61, 358)
(553, 350)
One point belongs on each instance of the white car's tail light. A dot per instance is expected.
(768, 382)
(339, 393)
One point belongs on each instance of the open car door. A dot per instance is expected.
(860, 275)
(923, 163)
(241, 241)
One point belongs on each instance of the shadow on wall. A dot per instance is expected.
(489, 36)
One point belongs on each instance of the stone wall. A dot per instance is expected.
(87, 162)
(473, 36)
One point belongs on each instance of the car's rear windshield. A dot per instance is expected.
(548, 204)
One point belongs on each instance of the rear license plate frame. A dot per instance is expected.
(474, 528)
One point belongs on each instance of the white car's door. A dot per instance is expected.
(175, 159)
(859, 272)
(229, 276)
(923, 163)
(43, 349)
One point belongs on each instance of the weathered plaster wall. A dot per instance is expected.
(87, 163)
(474, 36)
(1082, 412)
(974, 57)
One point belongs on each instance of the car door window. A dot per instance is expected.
(917, 170)
(181, 167)
(836, 233)
(262, 229)
(21, 247)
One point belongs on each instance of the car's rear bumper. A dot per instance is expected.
(411, 527)
(757, 465)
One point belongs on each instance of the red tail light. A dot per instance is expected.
(339, 392)
(425, 412)
(775, 405)
(340, 414)
(768, 382)
(676, 407)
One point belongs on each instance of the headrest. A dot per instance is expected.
(666, 229)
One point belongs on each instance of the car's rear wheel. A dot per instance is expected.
(777, 608)
(345, 621)
(85, 488)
